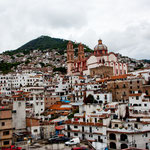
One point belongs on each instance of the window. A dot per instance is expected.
(116, 125)
(97, 97)
(75, 126)
(35, 130)
(139, 91)
(124, 94)
(90, 135)
(145, 105)
(136, 125)
(95, 120)
(6, 142)
(147, 146)
(3, 123)
(75, 134)
(116, 70)
(6, 133)
(124, 86)
(137, 98)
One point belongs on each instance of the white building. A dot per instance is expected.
(88, 124)
(128, 134)
(139, 104)
(19, 113)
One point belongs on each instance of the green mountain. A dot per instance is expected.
(44, 43)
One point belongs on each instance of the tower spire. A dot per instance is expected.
(81, 55)
(70, 58)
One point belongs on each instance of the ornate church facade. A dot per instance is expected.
(100, 58)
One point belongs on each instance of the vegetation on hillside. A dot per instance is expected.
(44, 43)
(63, 70)
(90, 99)
(7, 67)
(140, 66)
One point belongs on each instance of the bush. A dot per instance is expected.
(63, 70)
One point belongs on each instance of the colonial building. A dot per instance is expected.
(100, 57)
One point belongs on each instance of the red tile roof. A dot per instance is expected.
(135, 94)
(58, 107)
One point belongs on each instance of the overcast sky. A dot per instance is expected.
(123, 25)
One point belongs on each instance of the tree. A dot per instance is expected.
(90, 99)
(42, 64)
(63, 70)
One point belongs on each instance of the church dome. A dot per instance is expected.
(100, 46)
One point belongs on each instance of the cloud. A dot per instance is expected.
(133, 41)
(122, 25)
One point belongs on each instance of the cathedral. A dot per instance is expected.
(101, 62)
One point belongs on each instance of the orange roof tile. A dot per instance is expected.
(135, 94)
(58, 107)
(81, 78)
(60, 127)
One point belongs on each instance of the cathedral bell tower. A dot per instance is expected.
(81, 55)
(70, 58)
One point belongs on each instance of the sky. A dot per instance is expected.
(123, 25)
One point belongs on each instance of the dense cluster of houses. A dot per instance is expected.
(113, 110)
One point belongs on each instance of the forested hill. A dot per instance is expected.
(44, 43)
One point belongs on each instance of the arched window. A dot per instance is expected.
(123, 137)
(112, 136)
(112, 145)
(123, 146)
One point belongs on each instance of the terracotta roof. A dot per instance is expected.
(115, 77)
(81, 78)
(100, 116)
(60, 127)
(135, 94)
(119, 77)
(59, 107)
(65, 113)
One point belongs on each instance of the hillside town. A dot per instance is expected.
(103, 99)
